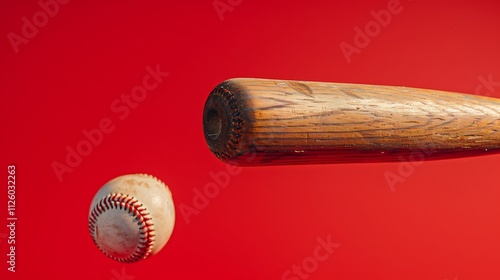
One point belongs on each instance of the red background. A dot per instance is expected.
(441, 222)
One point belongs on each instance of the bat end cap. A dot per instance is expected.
(213, 125)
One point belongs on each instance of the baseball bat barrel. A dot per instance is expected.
(274, 122)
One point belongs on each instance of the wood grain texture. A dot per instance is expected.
(273, 122)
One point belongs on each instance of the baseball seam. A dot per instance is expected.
(132, 206)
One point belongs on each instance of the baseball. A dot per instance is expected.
(132, 217)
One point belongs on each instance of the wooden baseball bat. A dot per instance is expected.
(274, 122)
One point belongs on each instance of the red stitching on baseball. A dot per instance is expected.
(140, 214)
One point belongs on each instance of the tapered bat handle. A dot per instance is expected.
(274, 122)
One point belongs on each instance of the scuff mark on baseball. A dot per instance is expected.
(132, 217)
